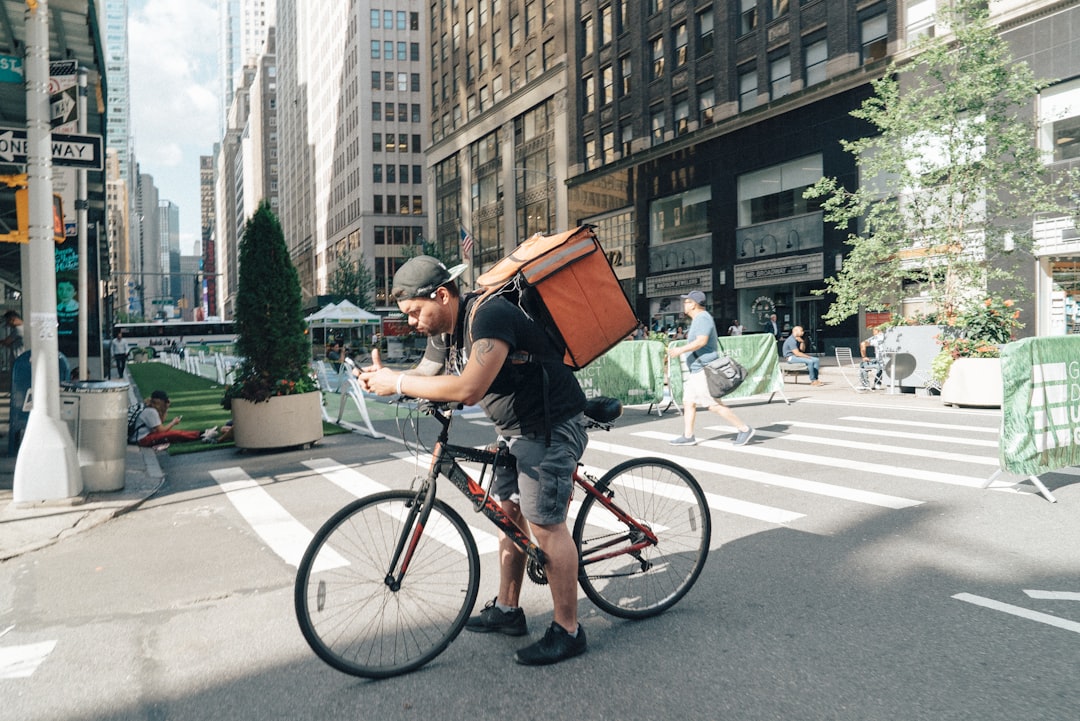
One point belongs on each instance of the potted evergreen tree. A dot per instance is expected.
(274, 399)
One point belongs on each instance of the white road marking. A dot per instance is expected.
(285, 536)
(771, 479)
(22, 661)
(878, 469)
(1019, 611)
(1054, 595)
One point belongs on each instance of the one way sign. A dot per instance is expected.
(72, 151)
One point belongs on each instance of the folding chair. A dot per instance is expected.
(844, 360)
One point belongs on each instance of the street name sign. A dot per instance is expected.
(72, 151)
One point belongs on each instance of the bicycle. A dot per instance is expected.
(388, 582)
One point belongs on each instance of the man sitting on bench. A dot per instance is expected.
(795, 352)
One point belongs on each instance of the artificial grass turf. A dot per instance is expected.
(195, 398)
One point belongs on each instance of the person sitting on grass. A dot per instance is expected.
(152, 430)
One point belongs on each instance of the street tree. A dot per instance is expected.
(949, 181)
(353, 281)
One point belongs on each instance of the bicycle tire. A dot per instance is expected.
(351, 617)
(669, 500)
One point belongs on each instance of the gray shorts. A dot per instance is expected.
(544, 480)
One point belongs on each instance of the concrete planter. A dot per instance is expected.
(973, 382)
(280, 422)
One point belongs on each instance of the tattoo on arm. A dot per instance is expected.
(481, 349)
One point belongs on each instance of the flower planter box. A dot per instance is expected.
(279, 422)
(973, 382)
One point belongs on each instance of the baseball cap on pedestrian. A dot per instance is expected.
(421, 276)
(160, 395)
(695, 295)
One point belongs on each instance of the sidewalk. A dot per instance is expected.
(28, 527)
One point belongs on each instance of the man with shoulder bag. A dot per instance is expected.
(701, 349)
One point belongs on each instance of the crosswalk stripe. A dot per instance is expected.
(878, 469)
(22, 661)
(876, 448)
(347, 479)
(285, 536)
(772, 479)
(897, 435)
(922, 424)
(734, 506)
(1018, 611)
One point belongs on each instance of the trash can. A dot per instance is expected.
(96, 414)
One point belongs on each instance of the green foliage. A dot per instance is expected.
(270, 327)
(951, 176)
(977, 332)
(353, 281)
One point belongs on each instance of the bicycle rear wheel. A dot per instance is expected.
(664, 497)
(347, 609)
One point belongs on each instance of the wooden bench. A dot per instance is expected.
(793, 369)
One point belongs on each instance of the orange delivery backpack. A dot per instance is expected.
(565, 282)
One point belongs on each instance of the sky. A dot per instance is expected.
(174, 98)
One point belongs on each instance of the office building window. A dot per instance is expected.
(532, 25)
(390, 116)
(376, 49)
(655, 6)
(747, 16)
(1059, 121)
(657, 57)
(681, 40)
(376, 142)
(588, 93)
(388, 20)
(777, 8)
(607, 93)
(682, 116)
(376, 172)
(705, 32)
(549, 53)
(815, 61)
(747, 89)
(624, 72)
(376, 81)
(874, 34)
(777, 192)
(376, 19)
(920, 20)
(606, 34)
(608, 145)
(377, 204)
(706, 105)
(590, 153)
(416, 178)
(626, 136)
(376, 111)
(780, 77)
(532, 66)
(587, 36)
(657, 120)
(391, 174)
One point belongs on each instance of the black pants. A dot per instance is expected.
(121, 362)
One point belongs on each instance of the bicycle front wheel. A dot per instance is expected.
(666, 499)
(349, 609)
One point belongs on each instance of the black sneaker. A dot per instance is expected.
(493, 620)
(556, 645)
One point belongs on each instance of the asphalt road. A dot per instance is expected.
(858, 571)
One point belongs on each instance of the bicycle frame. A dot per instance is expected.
(445, 463)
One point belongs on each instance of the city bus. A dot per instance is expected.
(211, 336)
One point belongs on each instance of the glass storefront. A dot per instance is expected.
(1065, 296)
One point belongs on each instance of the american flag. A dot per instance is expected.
(466, 243)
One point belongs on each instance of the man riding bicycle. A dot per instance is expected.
(490, 352)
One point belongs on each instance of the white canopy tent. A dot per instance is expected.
(346, 321)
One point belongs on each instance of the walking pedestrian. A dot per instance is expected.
(700, 349)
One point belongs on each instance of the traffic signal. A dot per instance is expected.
(15, 211)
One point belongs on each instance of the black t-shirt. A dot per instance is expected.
(515, 400)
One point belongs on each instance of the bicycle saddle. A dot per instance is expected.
(603, 410)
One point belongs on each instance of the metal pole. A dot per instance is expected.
(81, 205)
(47, 466)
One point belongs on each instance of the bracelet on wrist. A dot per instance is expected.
(397, 386)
